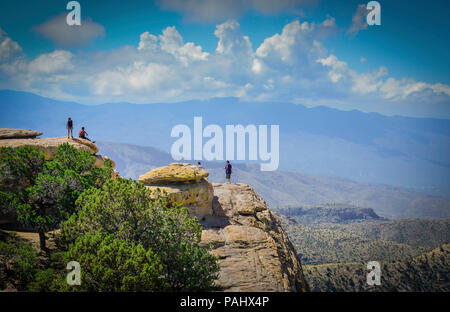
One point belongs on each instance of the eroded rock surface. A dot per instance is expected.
(174, 173)
(185, 184)
(197, 196)
(10, 133)
(254, 251)
(49, 146)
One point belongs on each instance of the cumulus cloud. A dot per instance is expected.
(172, 43)
(231, 41)
(358, 20)
(292, 65)
(9, 49)
(338, 68)
(220, 10)
(57, 30)
(56, 62)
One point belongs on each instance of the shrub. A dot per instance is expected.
(111, 264)
(20, 261)
(129, 211)
(46, 192)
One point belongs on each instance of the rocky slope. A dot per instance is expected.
(254, 251)
(428, 272)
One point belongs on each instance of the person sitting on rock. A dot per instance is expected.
(69, 127)
(83, 135)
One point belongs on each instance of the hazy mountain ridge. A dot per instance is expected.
(365, 147)
(283, 188)
(332, 213)
(415, 232)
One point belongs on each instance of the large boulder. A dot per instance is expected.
(254, 251)
(49, 146)
(10, 133)
(174, 173)
(185, 184)
(197, 196)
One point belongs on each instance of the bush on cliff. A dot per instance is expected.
(110, 264)
(130, 212)
(18, 170)
(19, 262)
(44, 193)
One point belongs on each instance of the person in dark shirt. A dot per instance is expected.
(228, 171)
(69, 127)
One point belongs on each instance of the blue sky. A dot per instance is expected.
(309, 52)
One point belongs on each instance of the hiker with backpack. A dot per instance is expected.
(69, 126)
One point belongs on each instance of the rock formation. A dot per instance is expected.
(48, 146)
(254, 251)
(185, 184)
(9, 133)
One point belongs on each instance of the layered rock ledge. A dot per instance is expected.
(10, 133)
(254, 251)
(48, 146)
(185, 184)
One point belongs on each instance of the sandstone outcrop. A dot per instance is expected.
(254, 251)
(9, 133)
(48, 146)
(174, 173)
(185, 184)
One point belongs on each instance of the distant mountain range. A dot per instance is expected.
(285, 188)
(364, 147)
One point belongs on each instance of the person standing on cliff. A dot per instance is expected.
(69, 127)
(228, 171)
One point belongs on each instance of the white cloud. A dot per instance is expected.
(52, 63)
(172, 43)
(9, 50)
(338, 68)
(231, 41)
(292, 65)
(358, 20)
(57, 30)
(404, 88)
(220, 10)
